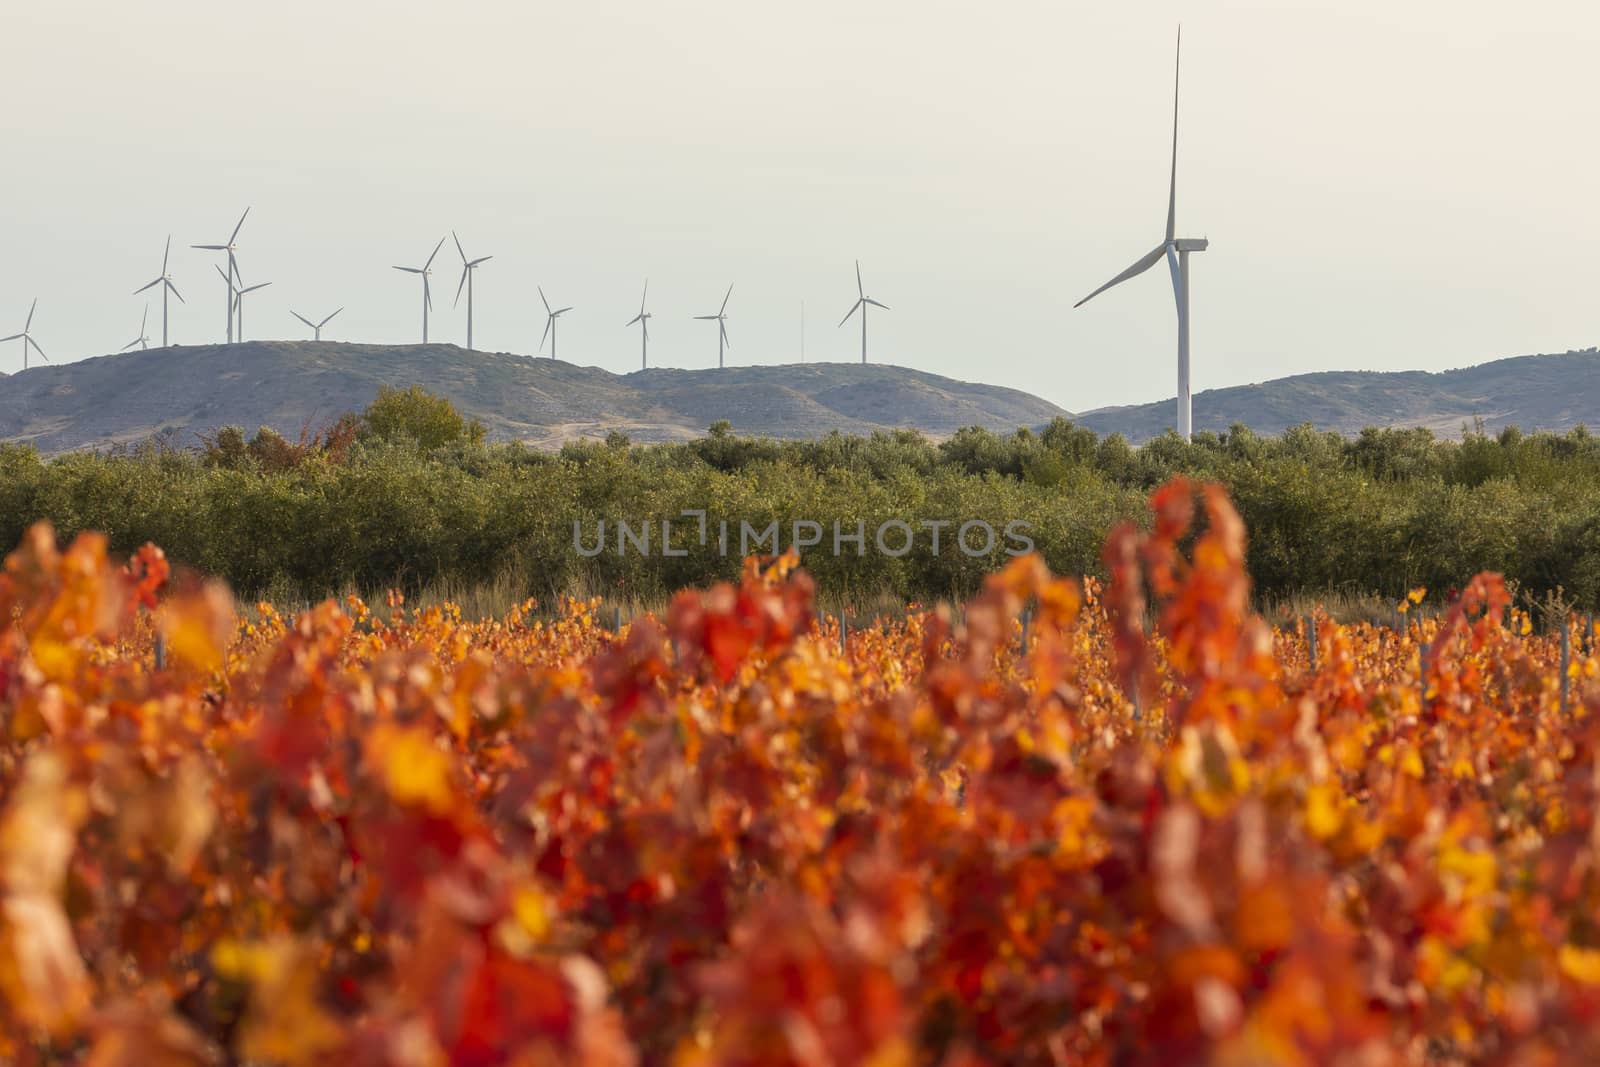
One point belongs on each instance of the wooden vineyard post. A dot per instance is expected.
(1311, 641)
(161, 652)
(1422, 673)
(1566, 662)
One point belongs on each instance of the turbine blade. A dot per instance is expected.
(427, 293)
(637, 318)
(144, 320)
(645, 297)
(463, 284)
(707, 318)
(223, 276)
(327, 320)
(127, 346)
(875, 304)
(211, 248)
(725, 341)
(1172, 193)
(410, 270)
(36, 347)
(542, 297)
(436, 248)
(303, 319)
(1137, 269)
(458, 246)
(546, 335)
(852, 310)
(253, 288)
(564, 310)
(13, 337)
(239, 227)
(480, 259)
(175, 292)
(31, 309)
(165, 254)
(152, 285)
(725, 299)
(860, 289)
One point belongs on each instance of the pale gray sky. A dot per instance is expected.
(1386, 185)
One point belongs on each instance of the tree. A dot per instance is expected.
(417, 415)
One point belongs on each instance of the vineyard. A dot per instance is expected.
(1110, 822)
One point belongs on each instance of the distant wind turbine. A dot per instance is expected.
(549, 323)
(861, 303)
(27, 338)
(142, 340)
(643, 319)
(316, 327)
(427, 295)
(468, 268)
(238, 300)
(231, 248)
(721, 319)
(165, 281)
(1176, 250)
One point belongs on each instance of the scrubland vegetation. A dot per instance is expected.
(409, 495)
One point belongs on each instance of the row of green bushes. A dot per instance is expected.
(410, 495)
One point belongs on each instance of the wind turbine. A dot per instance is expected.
(643, 319)
(238, 299)
(862, 301)
(27, 338)
(165, 281)
(549, 322)
(467, 269)
(721, 319)
(316, 327)
(233, 265)
(1176, 250)
(427, 295)
(142, 341)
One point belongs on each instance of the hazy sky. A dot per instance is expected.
(1386, 185)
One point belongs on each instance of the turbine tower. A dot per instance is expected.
(142, 340)
(165, 281)
(233, 265)
(316, 327)
(468, 268)
(238, 300)
(427, 296)
(721, 319)
(27, 338)
(1176, 251)
(549, 322)
(643, 319)
(862, 302)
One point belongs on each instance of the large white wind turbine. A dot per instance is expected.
(233, 265)
(721, 319)
(27, 338)
(468, 269)
(549, 322)
(239, 292)
(862, 301)
(165, 281)
(643, 319)
(1176, 251)
(143, 340)
(427, 295)
(316, 327)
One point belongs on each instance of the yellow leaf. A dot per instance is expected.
(414, 769)
(1580, 964)
(1323, 816)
